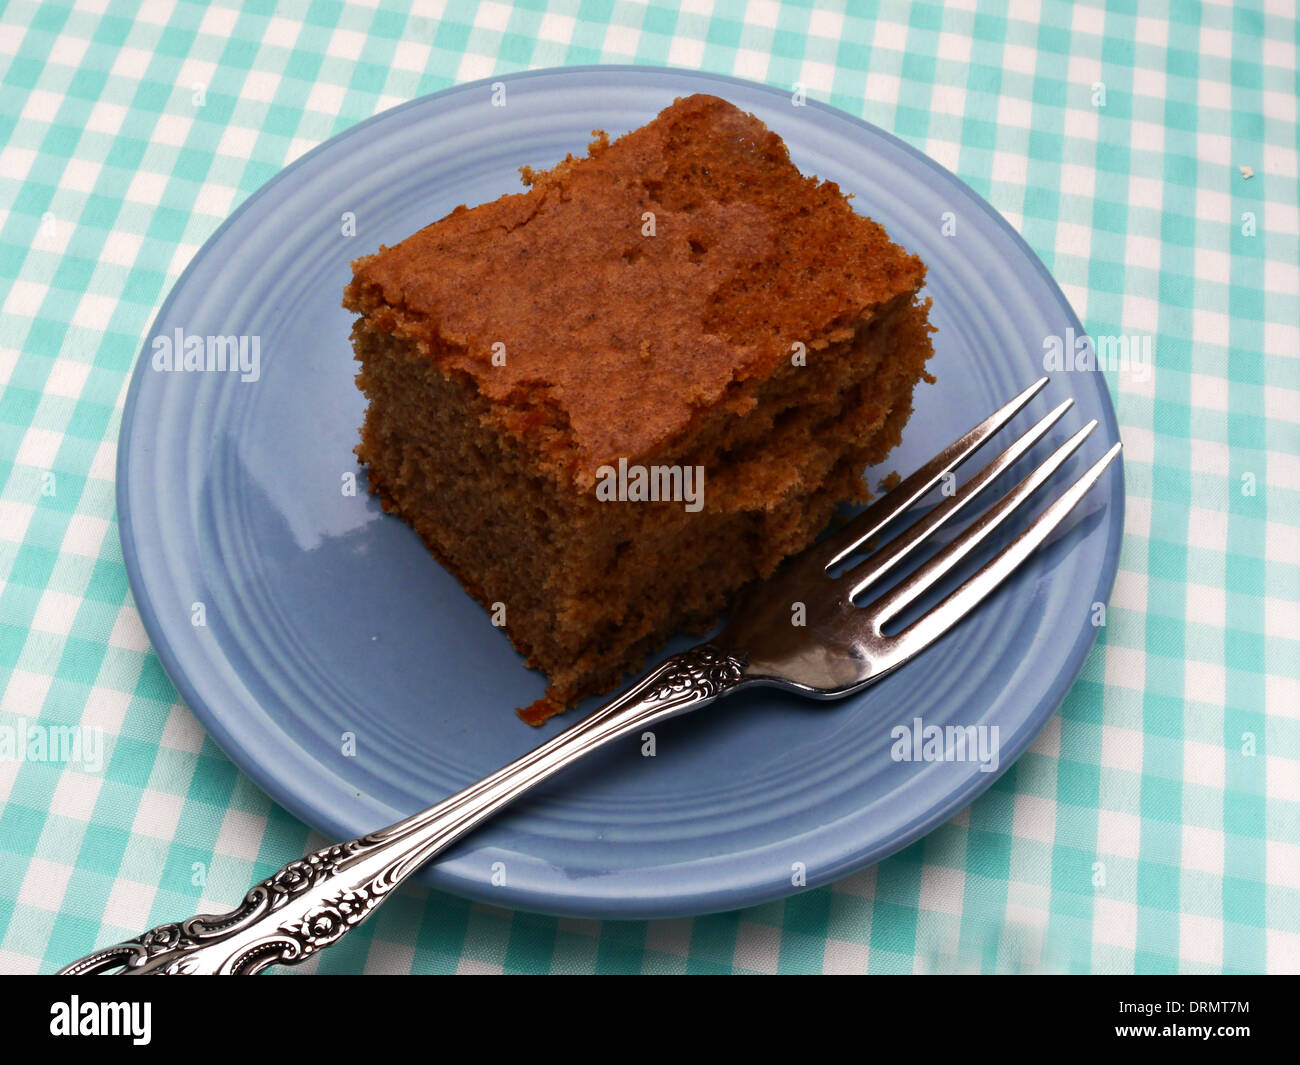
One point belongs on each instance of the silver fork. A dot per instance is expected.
(310, 903)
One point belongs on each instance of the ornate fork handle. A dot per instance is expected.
(310, 903)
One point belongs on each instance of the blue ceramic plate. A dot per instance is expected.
(325, 619)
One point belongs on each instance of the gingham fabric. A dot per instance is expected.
(1153, 826)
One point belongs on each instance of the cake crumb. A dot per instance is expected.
(542, 710)
(1247, 172)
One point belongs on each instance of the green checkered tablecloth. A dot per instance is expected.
(1147, 152)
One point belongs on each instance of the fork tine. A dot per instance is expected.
(912, 488)
(928, 628)
(897, 598)
(880, 562)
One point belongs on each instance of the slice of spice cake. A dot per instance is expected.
(610, 401)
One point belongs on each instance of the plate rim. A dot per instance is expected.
(633, 907)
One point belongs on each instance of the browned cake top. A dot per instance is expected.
(615, 341)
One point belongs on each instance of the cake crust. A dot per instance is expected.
(748, 257)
